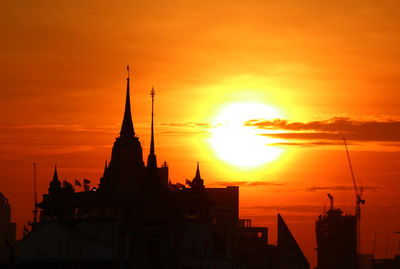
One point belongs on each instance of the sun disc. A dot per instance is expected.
(242, 145)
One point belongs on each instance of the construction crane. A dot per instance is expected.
(359, 200)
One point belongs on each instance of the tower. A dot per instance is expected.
(336, 240)
(126, 168)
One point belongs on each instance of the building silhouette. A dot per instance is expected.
(136, 218)
(336, 240)
(7, 231)
(290, 254)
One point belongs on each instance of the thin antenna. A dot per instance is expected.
(127, 69)
(152, 93)
(35, 211)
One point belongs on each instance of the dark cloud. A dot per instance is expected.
(340, 188)
(288, 208)
(308, 208)
(332, 129)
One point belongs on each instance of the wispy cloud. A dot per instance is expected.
(166, 128)
(248, 183)
(288, 208)
(186, 124)
(340, 188)
(331, 131)
(61, 127)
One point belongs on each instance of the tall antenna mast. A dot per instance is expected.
(35, 211)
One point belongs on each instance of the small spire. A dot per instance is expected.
(127, 125)
(197, 182)
(55, 176)
(55, 184)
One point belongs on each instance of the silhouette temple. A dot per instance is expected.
(136, 218)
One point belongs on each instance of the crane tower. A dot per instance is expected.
(359, 200)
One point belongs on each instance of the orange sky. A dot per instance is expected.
(62, 82)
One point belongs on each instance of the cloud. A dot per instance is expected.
(61, 128)
(183, 132)
(331, 130)
(288, 208)
(308, 144)
(183, 128)
(248, 183)
(186, 124)
(340, 188)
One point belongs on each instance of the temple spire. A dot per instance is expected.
(55, 184)
(127, 125)
(197, 182)
(152, 160)
(55, 176)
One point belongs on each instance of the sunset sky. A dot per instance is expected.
(259, 92)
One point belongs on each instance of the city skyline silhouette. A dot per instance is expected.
(260, 95)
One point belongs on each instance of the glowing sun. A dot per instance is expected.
(242, 145)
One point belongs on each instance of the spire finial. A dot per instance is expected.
(152, 93)
(127, 125)
(152, 160)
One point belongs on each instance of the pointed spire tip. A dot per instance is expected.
(127, 124)
(55, 175)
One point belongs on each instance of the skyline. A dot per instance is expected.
(327, 71)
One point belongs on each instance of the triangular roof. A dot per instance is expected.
(55, 175)
(127, 124)
(290, 254)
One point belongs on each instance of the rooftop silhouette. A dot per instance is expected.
(136, 218)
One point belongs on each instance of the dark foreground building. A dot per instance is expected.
(336, 240)
(137, 219)
(7, 232)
